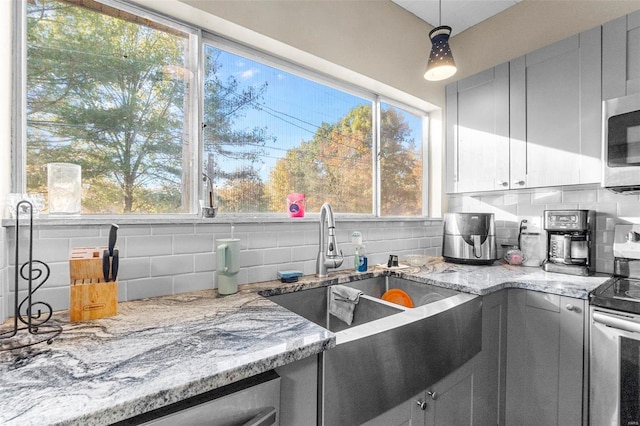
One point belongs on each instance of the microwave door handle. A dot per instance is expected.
(566, 249)
(477, 246)
(615, 322)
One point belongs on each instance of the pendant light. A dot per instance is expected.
(441, 64)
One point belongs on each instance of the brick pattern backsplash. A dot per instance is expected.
(510, 207)
(167, 259)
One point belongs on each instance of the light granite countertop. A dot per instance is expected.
(483, 280)
(162, 350)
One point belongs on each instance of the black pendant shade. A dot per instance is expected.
(441, 64)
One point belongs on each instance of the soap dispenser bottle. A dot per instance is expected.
(360, 256)
(362, 259)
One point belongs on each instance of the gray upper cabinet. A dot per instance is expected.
(533, 122)
(477, 132)
(621, 56)
(555, 107)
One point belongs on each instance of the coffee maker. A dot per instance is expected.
(570, 245)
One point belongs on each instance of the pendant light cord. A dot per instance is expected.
(440, 13)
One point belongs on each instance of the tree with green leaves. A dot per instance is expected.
(102, 93)
(336, 166)
(225, 105)
(110, 91)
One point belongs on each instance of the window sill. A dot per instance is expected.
(89, 220)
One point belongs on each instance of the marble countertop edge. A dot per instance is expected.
(128, 409)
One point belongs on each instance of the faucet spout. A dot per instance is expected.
(329, 256)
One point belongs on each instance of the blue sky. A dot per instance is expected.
(294, 107)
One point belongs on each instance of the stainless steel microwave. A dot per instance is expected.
(621, 145)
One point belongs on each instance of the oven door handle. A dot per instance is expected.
(616, 322)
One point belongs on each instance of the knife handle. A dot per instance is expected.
(114, 265)
(106, 267)
(113, 236)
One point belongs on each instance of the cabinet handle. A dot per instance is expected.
(503, 183)
(633, 236)
(421, 404)
(433, 395)
(266, 417)
(518, 182)
(570, 307)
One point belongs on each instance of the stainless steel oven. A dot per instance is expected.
(615, 368)
(621, 147)
(614, 386)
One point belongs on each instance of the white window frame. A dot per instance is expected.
(287, 66)
(19, 147)
(201, 38)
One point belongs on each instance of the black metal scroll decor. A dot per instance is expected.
(30, 317)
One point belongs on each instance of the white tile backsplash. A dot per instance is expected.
(193, 282)
(192, 243)
(149, 246)
(149, 287)
(131, 268)
(166, 259)
(175, 264)
(610, 208)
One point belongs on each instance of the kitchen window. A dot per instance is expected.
(113, 90)
(117, 90)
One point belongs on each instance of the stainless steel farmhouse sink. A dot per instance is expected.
(313, 305)
(389, 353)
(421, 294)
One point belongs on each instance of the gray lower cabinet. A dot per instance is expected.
(451, 400)
(621, 56)
(404, 414)
(546, 360)
(448, 402)
(299, 392)
(474, 393)
(491, 368)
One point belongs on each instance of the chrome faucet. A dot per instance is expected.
(330, 258)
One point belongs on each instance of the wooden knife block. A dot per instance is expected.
(91, 296)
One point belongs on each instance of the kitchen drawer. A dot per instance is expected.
(251, 402)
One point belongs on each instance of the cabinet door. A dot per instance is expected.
(621, 56)
(490, 369)
(477, 132)
(450, 401)
(406, 414)
(557, 91)
(545, 359)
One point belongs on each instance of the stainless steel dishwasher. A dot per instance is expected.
(250, 402)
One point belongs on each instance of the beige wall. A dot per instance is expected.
(380, 40)
(375, 38)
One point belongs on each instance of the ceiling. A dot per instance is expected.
(458, 14)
